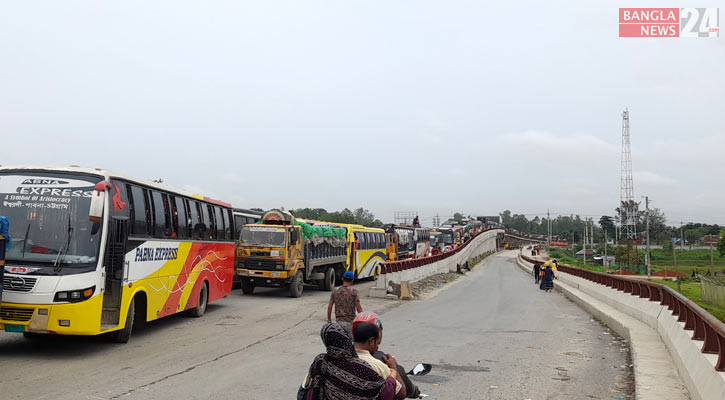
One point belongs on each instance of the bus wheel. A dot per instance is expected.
(297, 285)
(247, 286)
(124, 334)
(200, 308)
(328, 283)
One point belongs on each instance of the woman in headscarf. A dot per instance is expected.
(340, 374)
(547, 279)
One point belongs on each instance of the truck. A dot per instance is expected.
(280, 251)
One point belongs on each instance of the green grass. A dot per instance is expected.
(691, 290)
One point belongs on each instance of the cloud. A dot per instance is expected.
(647, 178)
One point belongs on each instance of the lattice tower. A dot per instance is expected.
(628, 207)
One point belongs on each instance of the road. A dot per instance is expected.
(491, 335)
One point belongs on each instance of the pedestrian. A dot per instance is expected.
(367, 338)
(340, 374)
(346, 302)
(537, 273)
(547, 279)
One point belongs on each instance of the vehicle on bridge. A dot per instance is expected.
(413, 242)
(367, 250)
(98, 252)
(281, 251)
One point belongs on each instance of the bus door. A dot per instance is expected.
(116, 269)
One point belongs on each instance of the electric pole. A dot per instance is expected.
(712, 261)
(548, 219)
(584, 250)
(682, 239)
(649, 264)
(604, 263)
(677, 275)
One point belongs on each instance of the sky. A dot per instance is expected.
(429, 106)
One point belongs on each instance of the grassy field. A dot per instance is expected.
(687, 261)
(691, 290)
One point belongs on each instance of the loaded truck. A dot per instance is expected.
(280, 251)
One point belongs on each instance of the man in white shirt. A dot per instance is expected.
(367, 339)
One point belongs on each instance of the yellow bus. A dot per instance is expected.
(366, 250)
(97, 252)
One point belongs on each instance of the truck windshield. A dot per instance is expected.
(262, 236)
(48, 214)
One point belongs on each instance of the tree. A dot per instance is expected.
(721, 243)
(458, 217)
(607, 225)
(691, 235)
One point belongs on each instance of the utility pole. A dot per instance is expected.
(712, 261)
(649, 264)
(677, 275)
(604, 263)
(584, 250)
(682, 239)
(548, 219)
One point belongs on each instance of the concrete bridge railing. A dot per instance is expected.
(419, 268)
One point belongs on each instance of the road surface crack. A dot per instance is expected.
(217, 358)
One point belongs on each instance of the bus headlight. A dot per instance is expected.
(73, 296)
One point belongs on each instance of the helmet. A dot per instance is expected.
(367, 316)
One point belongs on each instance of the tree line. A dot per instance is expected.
(359, 216)
(571, 227)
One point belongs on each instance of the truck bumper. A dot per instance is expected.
(265, 278)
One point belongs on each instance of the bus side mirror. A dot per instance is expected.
(98, 199)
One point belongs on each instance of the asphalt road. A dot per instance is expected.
(490, 335)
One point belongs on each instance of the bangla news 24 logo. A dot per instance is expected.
(669, 22)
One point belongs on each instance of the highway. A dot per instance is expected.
(490, 335)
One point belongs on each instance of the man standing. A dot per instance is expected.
(537, 273)
(346, 301)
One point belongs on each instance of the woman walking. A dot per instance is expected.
(547, 280)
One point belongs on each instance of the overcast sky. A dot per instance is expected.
(432, 106)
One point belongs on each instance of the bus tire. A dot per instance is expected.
(328, 283)
(247, 286)
(201, 303)
(124, 334)
(297, 285)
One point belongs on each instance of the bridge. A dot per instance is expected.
(490, 333)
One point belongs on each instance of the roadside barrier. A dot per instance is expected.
(706, 327)
(694, 338)
(415, 269)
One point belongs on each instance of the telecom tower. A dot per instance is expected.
(627, 207)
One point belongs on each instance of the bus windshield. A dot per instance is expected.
(48, 214)
(263, 236)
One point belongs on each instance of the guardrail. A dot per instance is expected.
(705, 326)
(402, 265)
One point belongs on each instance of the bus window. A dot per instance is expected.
(239, 222)
(140, 212)
(206, 221)
(219, 223)
(198, 228)
(161, 219)
(181, 218)
(228, 224)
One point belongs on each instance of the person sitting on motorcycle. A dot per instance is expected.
(411, 390)
(367, 338)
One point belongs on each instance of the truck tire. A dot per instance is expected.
(247, 286)
(201, 303)
(124, 334)
(297, 285)
(328, 283)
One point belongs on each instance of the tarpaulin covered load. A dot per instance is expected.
(317, 234)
